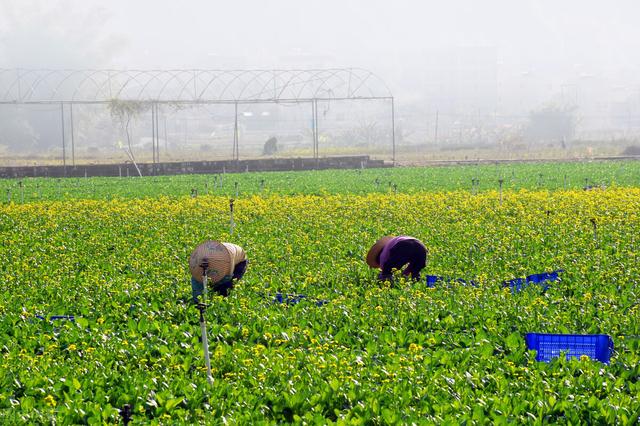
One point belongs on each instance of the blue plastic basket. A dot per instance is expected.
(545, 276)
(549, 346)
(432, 280)
(519, 284)
(58, 317)
(292, 299)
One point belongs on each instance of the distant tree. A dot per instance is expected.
(270, 146)
(17, 134)
(124, 112)
(551, 124)
(46, 34)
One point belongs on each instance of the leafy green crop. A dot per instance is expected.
(532, 176)
(376, 353)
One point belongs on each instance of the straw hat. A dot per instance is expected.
(374, 251)
(216, 256)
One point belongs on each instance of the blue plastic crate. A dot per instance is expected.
(519, 284)
(549, 346)
(58, 317)
(432, 280)
(545, 276)
(292, 299)
(516, 284)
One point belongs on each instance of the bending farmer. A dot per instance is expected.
(389, 253)
(223, 263)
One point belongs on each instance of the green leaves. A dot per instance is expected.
(374, 354)
(514, 342)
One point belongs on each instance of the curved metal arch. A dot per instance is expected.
(363, 80)
(295, 75)
(369, 76)
(312, 80)
(88, 76)
(252, 80)
(334, 74)
(200, 85)
(153, 75)
(68, 77)
(271, 82)
(175, 76)
(216, 76)
(132, 77)
(42, 78)
(107, 82)
(191, 80)
(19, 78)
(240, 73)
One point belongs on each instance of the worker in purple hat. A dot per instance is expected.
(389, 253)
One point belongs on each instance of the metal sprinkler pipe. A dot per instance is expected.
(205, 271)
(126, 414)
(202, 306)
(205, 342)
(231, 223)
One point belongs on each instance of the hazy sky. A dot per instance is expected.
(544, 43)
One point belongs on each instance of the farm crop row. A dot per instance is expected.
(532, 176)
(374, 353)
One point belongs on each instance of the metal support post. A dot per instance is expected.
(73, 146)
(393, 131)
(64, 149)
(236, 153)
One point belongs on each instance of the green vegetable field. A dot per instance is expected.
(113, 252)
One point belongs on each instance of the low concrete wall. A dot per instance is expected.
(195, 167)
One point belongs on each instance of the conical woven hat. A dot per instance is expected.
(374, 251)
(216, 258)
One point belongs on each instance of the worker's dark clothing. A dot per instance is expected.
(222, 287)
(399, 252)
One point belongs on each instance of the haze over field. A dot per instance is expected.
(481, 70)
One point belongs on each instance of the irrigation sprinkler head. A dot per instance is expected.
(126, 413)
(201, 306)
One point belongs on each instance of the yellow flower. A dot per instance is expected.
(414, 348)
(584, 357)
(50, 401)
